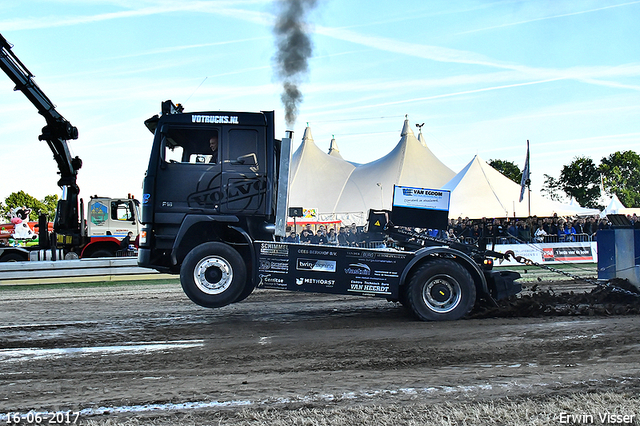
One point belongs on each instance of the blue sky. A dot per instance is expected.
(483, 76)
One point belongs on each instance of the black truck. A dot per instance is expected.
(214, 210)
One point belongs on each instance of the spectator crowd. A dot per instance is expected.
(346, 236)
(527, 230)
(497, 230)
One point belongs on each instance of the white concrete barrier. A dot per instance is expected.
(62, 271)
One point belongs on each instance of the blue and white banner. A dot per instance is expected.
(421, 198)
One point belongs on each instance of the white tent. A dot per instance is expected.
(613, 207)
(370, 186)
(479, 191)
(316, 179)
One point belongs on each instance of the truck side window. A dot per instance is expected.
(173, 154)
(193, 146)
(243, 142)
(121, 210)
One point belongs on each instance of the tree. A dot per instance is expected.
(621, 176)
(50, 204)
(551, 188)
(22, 199)
(507, 168)
(581, 180)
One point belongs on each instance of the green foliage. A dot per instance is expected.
(50, 203)
(581, 180)
(507, 168)
(551, 188)
(22, 199)
(621, 176)
(620, 173)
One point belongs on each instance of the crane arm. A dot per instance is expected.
(56, 133)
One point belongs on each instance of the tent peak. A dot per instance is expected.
(406, 128)
(334, 151)
(307, 134)
(333, 146)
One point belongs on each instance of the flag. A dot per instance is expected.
(525, 174)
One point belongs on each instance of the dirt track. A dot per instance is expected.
(116, 349)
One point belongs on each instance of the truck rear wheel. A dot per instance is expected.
(213, 275)
(14, 257)
(101, 253)
(441, 290)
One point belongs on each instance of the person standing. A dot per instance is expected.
(342, 237)
(306, 235)
(332, 237)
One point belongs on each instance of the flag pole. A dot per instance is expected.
(529, 195)
(528, 182)
(525, 182)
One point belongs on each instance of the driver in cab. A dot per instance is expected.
(213, 144)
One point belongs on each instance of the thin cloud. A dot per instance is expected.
(543, 18)
(436, 53)
(445, 95)
(443, 54)
(215, 7)
(611, 84)
(185, 47)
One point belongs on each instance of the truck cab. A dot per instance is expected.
(210, 178)
(114, 217)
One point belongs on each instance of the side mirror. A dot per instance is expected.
(247, 160)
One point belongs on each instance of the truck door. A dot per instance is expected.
(244, 171)
(188, 176)
(123, 218)
(195, 175)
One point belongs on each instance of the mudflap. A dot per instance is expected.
(502, 284)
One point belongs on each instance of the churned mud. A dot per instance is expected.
(143, 350)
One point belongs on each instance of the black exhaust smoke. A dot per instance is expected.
(294, 49)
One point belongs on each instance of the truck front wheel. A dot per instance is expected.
(441, 290)
(213, 275)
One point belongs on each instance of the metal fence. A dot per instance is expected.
(545, 239)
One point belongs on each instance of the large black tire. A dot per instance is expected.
(248, 289)
(441, 290)
(213, 275)
(402, 297)
(101, 253)
(14, 257)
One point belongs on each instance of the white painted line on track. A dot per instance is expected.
(29, 354)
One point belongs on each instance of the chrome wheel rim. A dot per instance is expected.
(442, 293)
(213, 275)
